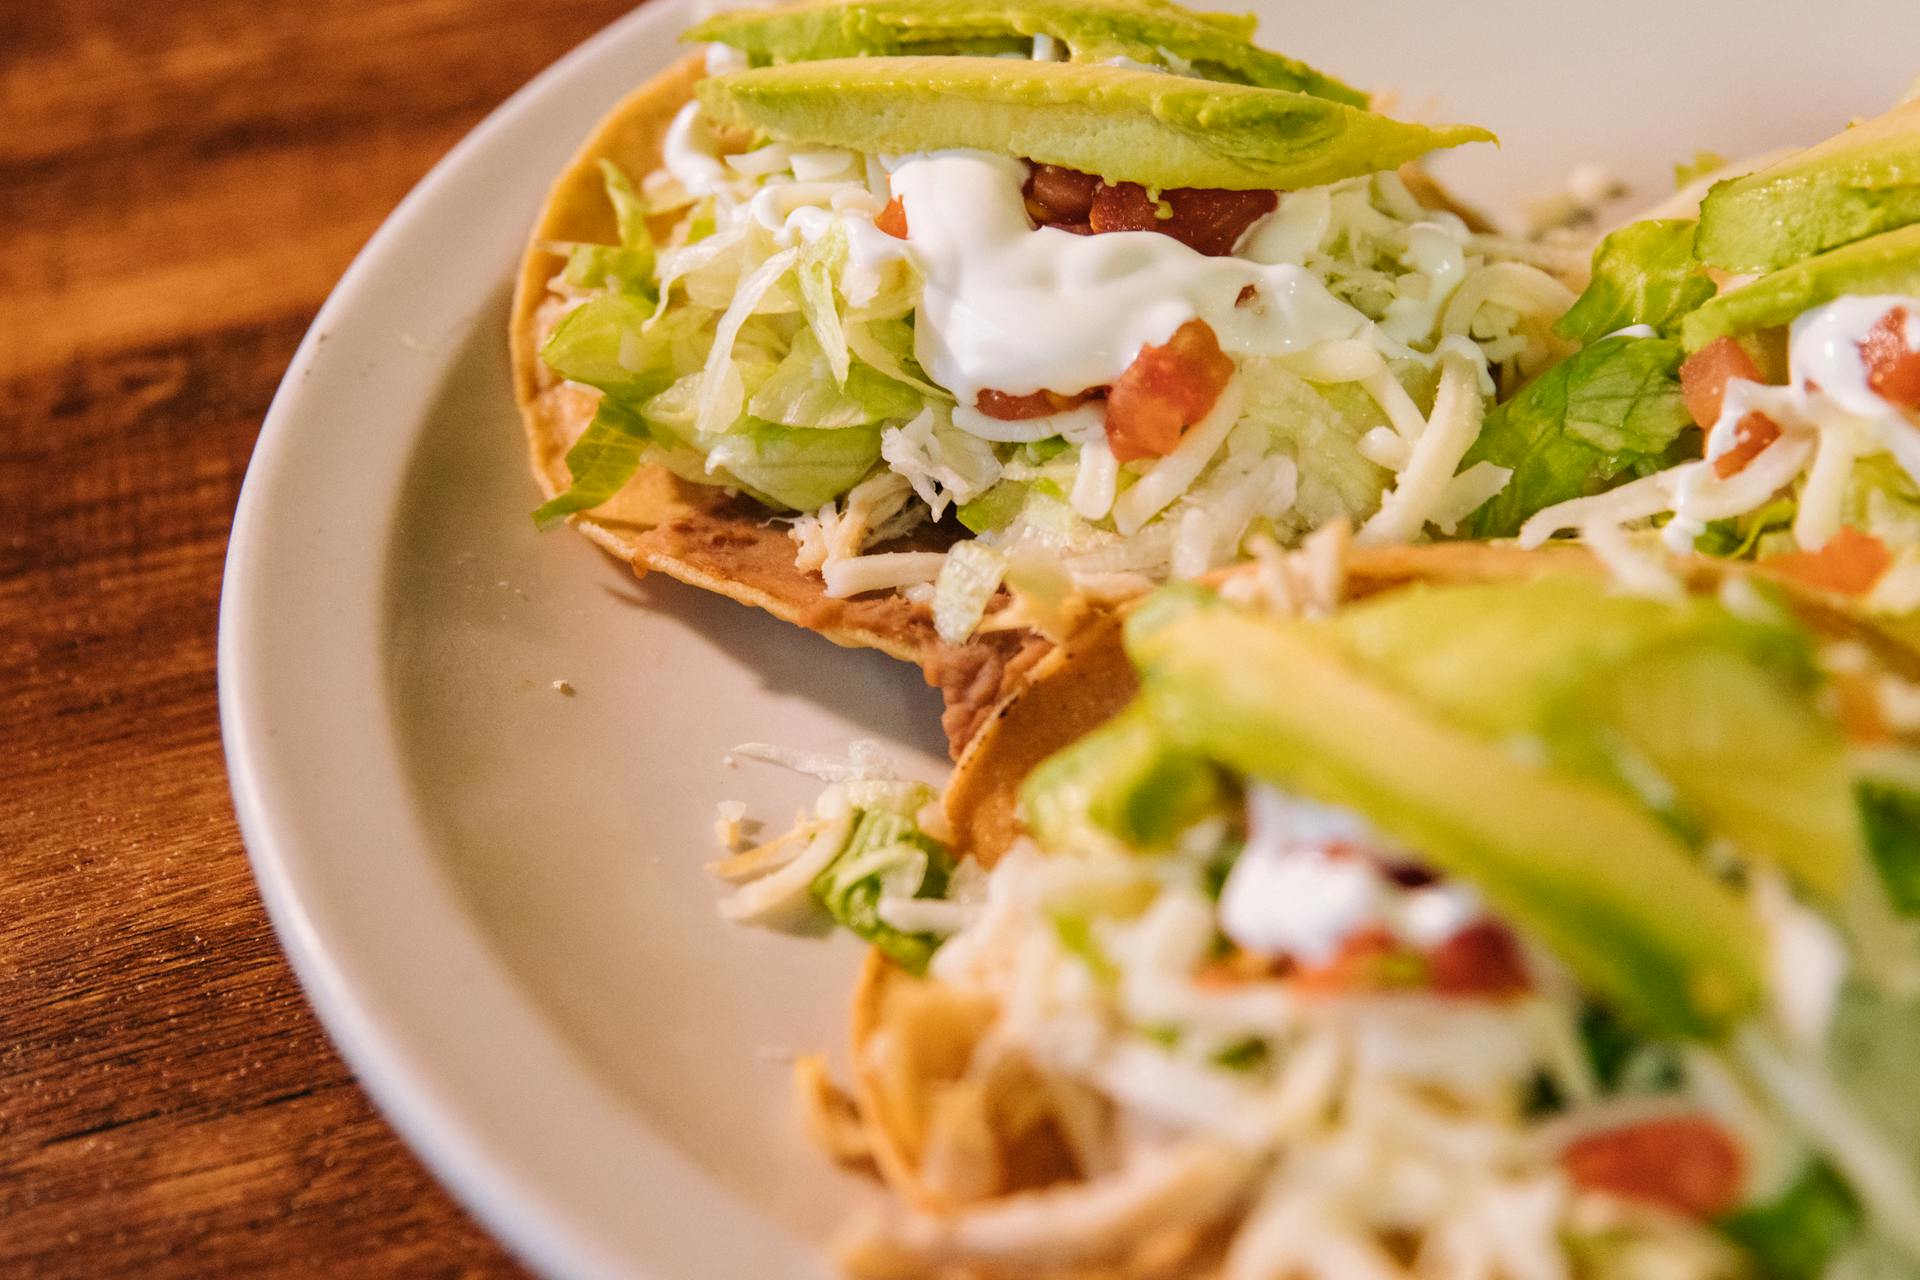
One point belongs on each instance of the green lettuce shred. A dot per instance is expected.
(602, 460)
(885, 845)
(1644, 273)
(626, 267)
(796, 467)
(1610, 411)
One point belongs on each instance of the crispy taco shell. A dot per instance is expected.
(703, 535)
(1083, 683)
(699, 534)
(919, 1046)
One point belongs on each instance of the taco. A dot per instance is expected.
(1748, 383)
(863, 322)
(1454, 915)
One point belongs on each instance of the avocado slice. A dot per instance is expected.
(1119, 124)
(1886, 263)
(1498, 657)
(1612, 893)
(1125, 779)
(1217, 46)
(1708, 716)
(1742, 747)
(1856, 184)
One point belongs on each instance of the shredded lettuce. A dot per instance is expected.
(1644, 273)
(1319, 426)
(885, 853)
(1611, 411)
(601, 461)
(624, 267)
(967, 581)
(819, 266)
(795, 467)
(804, 391)
(602, 344)
(995, 509)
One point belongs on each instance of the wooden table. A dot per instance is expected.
(181, 181)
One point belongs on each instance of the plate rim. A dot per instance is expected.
(393, 1063)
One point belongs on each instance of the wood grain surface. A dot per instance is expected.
(181, 181)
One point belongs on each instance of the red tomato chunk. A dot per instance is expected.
(1685, 1163)
(1893, 368)
(1166, 390)
(1850, 563)
(1704, 376)
(1751, 436)
(892, 219)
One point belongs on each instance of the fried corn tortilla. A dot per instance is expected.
(981, 1151)
(1071, 690)
(703, 535)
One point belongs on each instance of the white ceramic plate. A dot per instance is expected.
(492, 890)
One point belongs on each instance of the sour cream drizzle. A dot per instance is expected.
(1828, 416)
(1019, 310)
(1293, 891)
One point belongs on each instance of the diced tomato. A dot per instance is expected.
(1166, 390)
(1751, 436)
(1893, 368)
(1482, 959)
(1008, 407)
(893, 219)
(1208, 221)
(1704, 376)
(1850, 563)
(1685, 1163)
(1057, 197)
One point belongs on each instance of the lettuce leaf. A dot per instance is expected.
(804, 392)
(1610, 411)
(601, 343)
(602, 460)
(885, 847)
(626, 267)
(1644, 273)
(795, 467)
(994, 509)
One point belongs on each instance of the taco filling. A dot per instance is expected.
(1515, 929)
(1068, 298)
(1749, 384)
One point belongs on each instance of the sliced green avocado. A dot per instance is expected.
(1855, 184)
(1616, 896)
(1122, 125)
(1707, 716)
(1124, 779)
(1743, 749)
(1498, 657)
(1886, 263)
(1217, 46)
